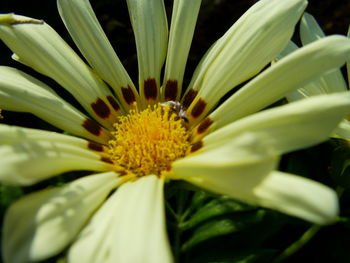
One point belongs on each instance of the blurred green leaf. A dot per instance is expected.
(8, 194)
(340, 163)
(222, 226)
(216, 207)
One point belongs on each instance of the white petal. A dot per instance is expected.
(42, 224)
(13, 134)
(290, 127)
(310, 31)
(28, 162)
(289, 73)
(83, 26)
(10, 135)
(298, 196)
(232, 169)
(343, 130)
(129, 227)
(21, 92)
(183, 22)
(40, 47)
(348, 62)
(250, 44)
(149, 22)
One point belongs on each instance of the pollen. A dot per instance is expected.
(147, 142)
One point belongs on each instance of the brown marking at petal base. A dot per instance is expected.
(128, 95)
(106, 160)
(95, 147)
(198, 108)
(204, 125)
(101, 108)
(122, 173)
(196, 146)
(92, 127)
(150, 89)
(113, 102)
(171, 90)
(189, 97)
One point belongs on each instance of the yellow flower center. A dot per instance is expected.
(147, 142)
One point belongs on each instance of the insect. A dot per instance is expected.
(177, 108)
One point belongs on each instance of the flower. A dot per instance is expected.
(330, 82)
(136, 141)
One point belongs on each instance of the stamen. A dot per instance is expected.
(147, 142)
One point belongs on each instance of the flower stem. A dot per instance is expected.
(297, 245)
(182, 197)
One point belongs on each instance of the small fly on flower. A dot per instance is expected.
(177, 108)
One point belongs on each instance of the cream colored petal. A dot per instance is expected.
(14, 134)
(83, 26)
(250, 44)
(343, 130)
(149, 22)
(310, 31)
(348, 62)
(183, 23)
(290, 48)
(297, 196)
(21, 92)
(290, 127)
(313, 88)
(30, 161)
(129, 227)
(289, 73)
(232, 169)
(10, 135)
(42, 224)
(37, 45)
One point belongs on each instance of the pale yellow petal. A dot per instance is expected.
(290, 127)
(28, 162)
(289, 73)
(129, 227)
(149, 22)
(42, 224)
(297, 196)
(183, 21)
(245, 49)
(23, 93)
(37, 45)
(83, 26)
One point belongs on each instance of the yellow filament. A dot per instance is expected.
(147, 142)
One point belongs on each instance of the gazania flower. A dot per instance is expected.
(136, 140)
(330, 82)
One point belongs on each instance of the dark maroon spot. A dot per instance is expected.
(122, 173)
(171, 90)
(95, 147)
(198, 108)
(128, 95)
(106, 160)
(113, 102)
(204, 125)
(196, 146)
(101, 108)
(92, 127)
(150, 89)
(189, 97)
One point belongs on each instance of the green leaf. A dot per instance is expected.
(216, 207)
(340, 163)
(8, 194)
(247, 256)
(222, 226)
